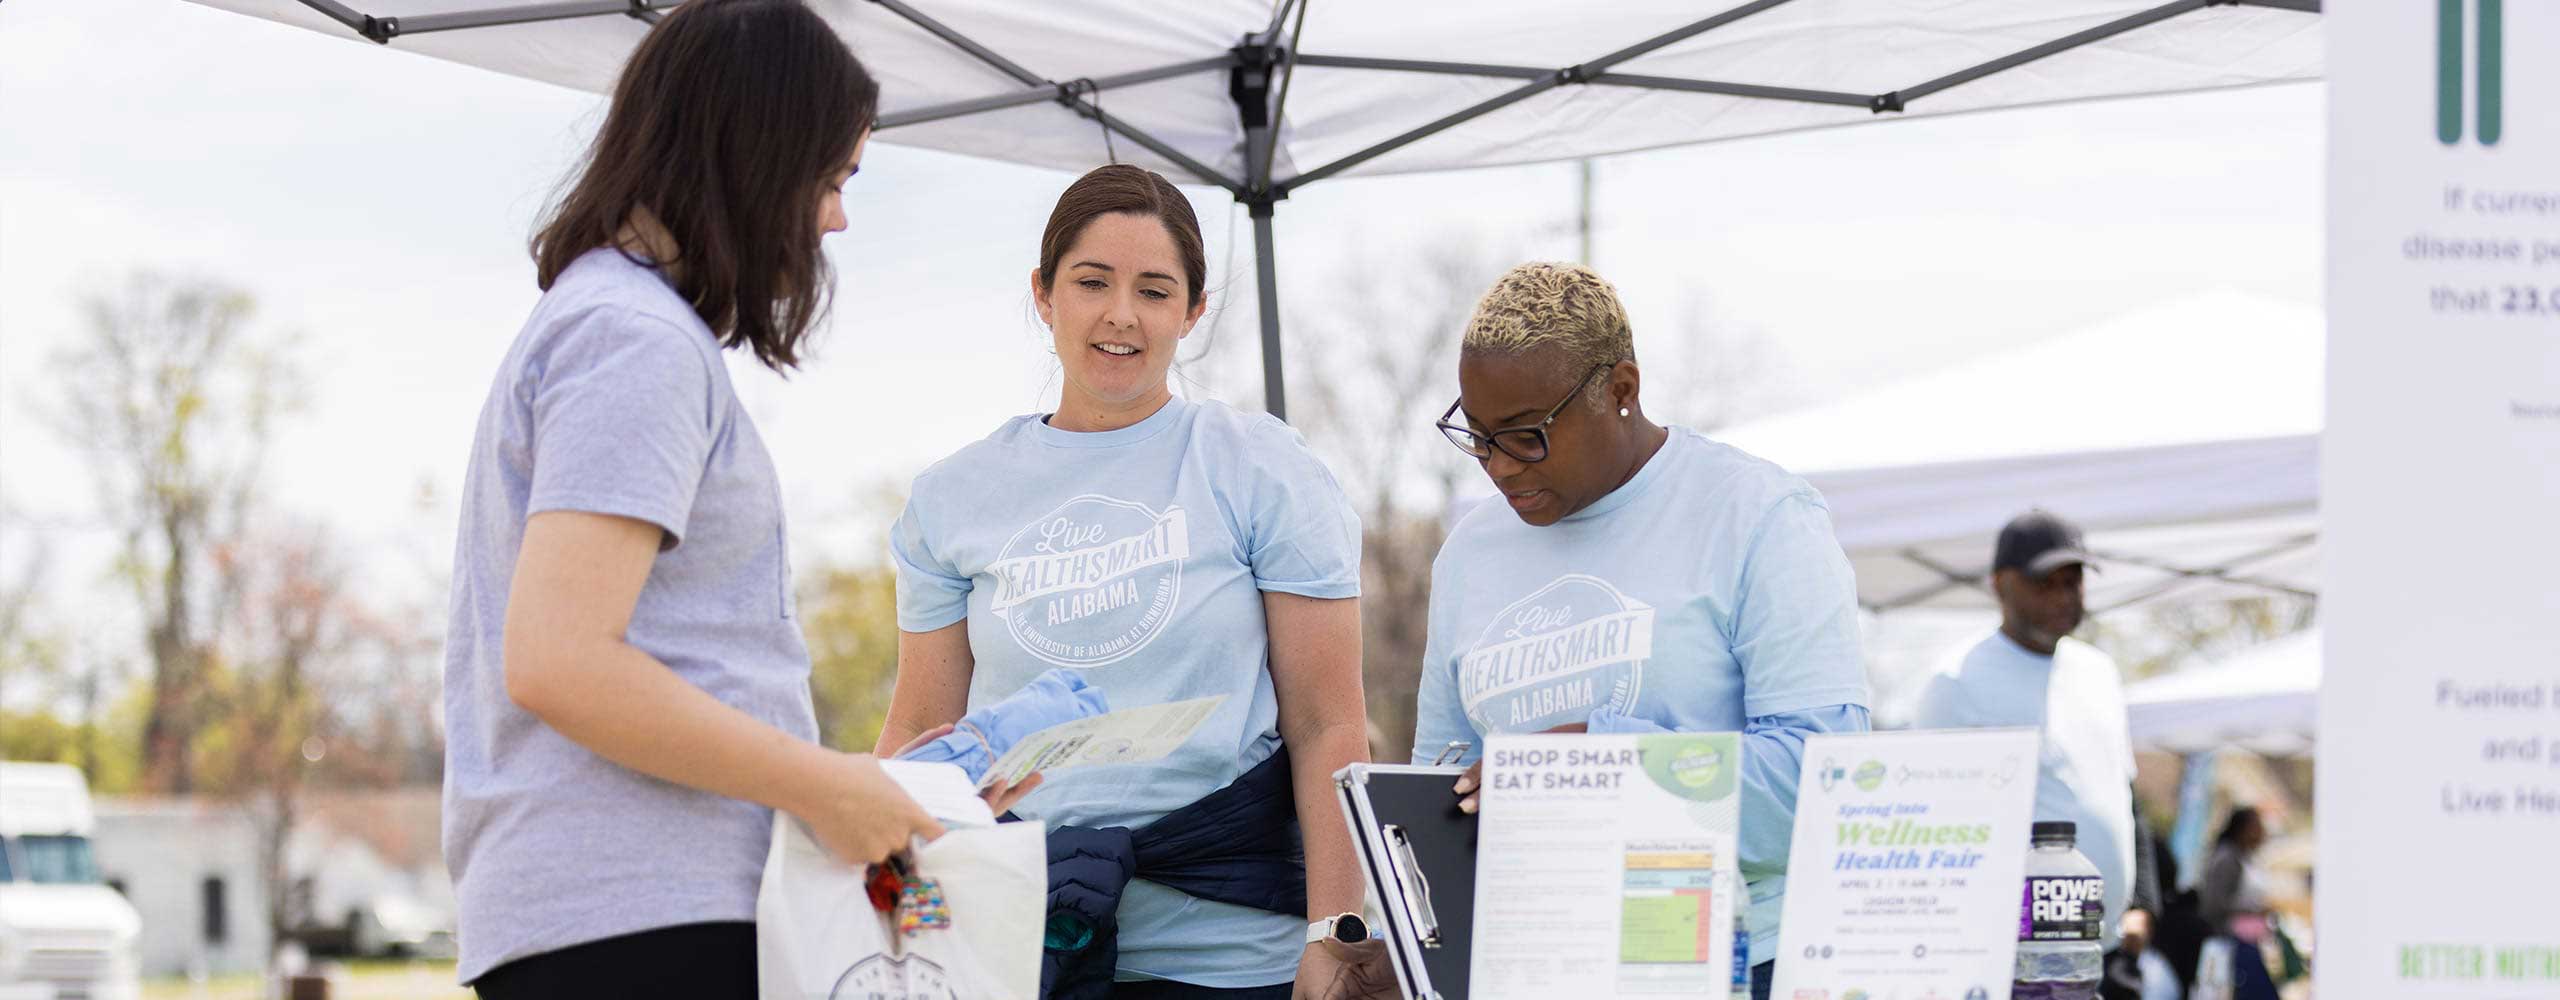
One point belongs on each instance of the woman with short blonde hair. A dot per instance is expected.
(1717, 573)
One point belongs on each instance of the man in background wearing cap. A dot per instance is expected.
(2032, 673)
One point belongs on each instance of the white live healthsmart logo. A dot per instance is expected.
(1091, 582)
(1550, 658)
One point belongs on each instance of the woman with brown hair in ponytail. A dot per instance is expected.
(1168, 550)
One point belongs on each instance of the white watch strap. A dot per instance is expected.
(1331, 927)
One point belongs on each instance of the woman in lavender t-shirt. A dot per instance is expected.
(626, 692)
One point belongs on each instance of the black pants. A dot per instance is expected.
(709, 961)
(1169, 990)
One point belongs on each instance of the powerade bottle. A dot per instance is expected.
(1741, 953)
(2059, 957)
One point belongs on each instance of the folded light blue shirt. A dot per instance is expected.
(1707, 594)
(983, 735)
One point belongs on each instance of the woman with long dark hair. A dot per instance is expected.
(2233, 901)
(626, 690)
(2228, 887)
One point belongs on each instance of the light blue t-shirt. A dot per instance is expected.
(1707, 594)
(613, 400)
(2084, 767)
(1139, 556)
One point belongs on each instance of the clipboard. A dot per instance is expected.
(1419, 854)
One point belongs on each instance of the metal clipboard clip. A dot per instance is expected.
(1452, 753)
(1416, 889)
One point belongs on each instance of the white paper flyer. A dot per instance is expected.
(1906, 872)
(1128, 736)
(1606, 867)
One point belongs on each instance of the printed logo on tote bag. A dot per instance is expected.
(883, 978)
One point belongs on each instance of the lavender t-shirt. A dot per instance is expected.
(613, 400)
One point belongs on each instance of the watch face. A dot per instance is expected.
(1350, 929)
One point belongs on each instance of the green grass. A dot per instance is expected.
(365, 980)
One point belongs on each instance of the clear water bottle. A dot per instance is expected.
(2064, 906)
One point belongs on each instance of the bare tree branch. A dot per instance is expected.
(174, 402)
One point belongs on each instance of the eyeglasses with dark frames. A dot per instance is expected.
(1527, 442)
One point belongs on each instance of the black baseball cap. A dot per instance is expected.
(2038, 543)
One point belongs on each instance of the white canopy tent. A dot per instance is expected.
(1262, 98)
(2183, 438)
(2264, 699)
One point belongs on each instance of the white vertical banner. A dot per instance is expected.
(2439, 771)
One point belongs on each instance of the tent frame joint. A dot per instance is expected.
(1889, 101)
(1249, 86)
(1258, 60)
(1261, 59)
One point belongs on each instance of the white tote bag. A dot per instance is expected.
(2214, 973)
(818, 938)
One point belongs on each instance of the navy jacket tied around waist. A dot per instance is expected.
(1238, 845)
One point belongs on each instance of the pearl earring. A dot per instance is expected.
(1622, 411)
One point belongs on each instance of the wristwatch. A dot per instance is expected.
(1347, 928)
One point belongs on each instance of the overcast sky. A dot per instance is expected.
(377, 203)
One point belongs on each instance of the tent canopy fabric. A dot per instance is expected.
(1710, 71)
(2201, 521)
(2264, 699)
(2193, 463)
(1260, 98)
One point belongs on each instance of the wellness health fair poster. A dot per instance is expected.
(1905, 877)
(1606, 867)
(2439, 766)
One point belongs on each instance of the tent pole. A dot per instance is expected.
(1949, 578)
(1266, 285)
(1576, 74)
(1258, 58)
(381, 30)
(1894, 101)
(1609, 79)
(1068, 95)
(1047, 93)
(340, 13)
(2226, 572)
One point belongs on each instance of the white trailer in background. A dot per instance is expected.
(63, 932)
